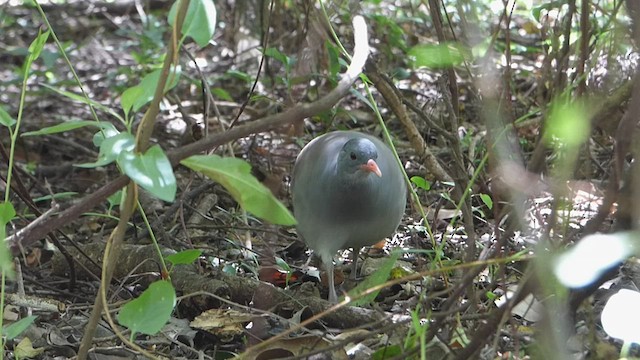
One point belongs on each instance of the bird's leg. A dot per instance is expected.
(328, 265)
(354, 269)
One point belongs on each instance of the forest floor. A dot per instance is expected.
(219, 295)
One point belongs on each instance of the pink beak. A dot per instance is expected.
(371, 166)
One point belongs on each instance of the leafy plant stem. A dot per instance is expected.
(111, 252)
(2, 289)
(34, 52)
(153, 238)
(333, 33)
(13, 133)
(420, 331)
(128, 206)
(146, 124)
(67, 61)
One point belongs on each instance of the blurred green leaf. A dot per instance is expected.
(5, 118)
(152, 171)
(199, 22)
(115, 199)
(283, 264)
(486, 199)
(222, 94)
(57, 196)
(276, 54)
(334, 62)
(438, 56)
(378, 277)
(184, 257)
(421, 182)
(387, 352)
(239, 75)
(107, 131)
(14, 330)
(230, 269)
(67, 126)
(129, 98)
(111, 148)
(138, 96)
(150, 311)
(83, 100)
(35, 49)
(235, 175)
(568, 125)
(7, 213)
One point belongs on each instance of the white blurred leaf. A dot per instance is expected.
(591, 257)
(620, 316)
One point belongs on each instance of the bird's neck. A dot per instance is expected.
(355, 181)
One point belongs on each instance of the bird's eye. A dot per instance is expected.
(353, 156)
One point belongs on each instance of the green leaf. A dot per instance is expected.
(334, 56)
(184, 257)
(84, 100)
(239, 75)
(129, 98)
(283, 264)
(138, 96)
(115, 199)
(107, 130)
(378, 277)
(6, 119)
(199, 22)
(57, 196)
(38, 44)
(486, 199)
(230, 269)
(111, 148)
(221, 94)
(421, 182)
(7, 213)
(35, 49)
(235, 175)
(276, 54)
(149, 312)
(439, 56)
(67, 126)
(567, 125)
(152, 171)
(387, 352)
(14, 330)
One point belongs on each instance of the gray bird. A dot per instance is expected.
(348, 192)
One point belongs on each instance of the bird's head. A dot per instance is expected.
(358, 158)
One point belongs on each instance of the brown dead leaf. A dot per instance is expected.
(224, 323)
